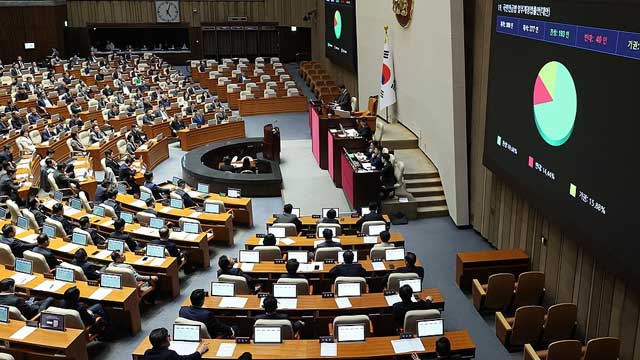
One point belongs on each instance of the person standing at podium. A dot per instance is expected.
(344, 99)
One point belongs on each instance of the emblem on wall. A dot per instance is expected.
(404, 11)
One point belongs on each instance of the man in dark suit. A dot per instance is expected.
(198, 118)
(9, 187)
(110, 161)
(349, 268)
(118, 233)
(186, 198)
(43, 101)
(387, 177)
(48, 132)
(160, 341)
(57, 214)
(95, 236)
(42, 249)
(75, 107)
(62, 180)
(373, 215)
(288, 218)
(177, 124)
(407, 304)
(365, 131)
(15, 70)
(111, 201)
(80, 259)
(169, 245)
(147, 119)
(330, 218)
(344, 99)
(5, 127)
(292, 270)
(18, 247)
(443, 351)
(17, 121)
(101, 192)
(155, 189)
(127, 174)
(327, 234)
(28, 310)
(6, 155)
(113, 112)
(195, 312)
(270, 305)
(410, 260)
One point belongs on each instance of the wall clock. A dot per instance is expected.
(167, 11)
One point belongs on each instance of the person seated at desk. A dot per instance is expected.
(75, 107)
(344, 99)
(160, 341)
(118, 260)
(365, 131)
(28, 309)
(127, 174)
(169, 245)
(119, 234)
(107, 91)
(162, 113)
(409, 267)
(225, 267)
(226, 165)
(157, 191)
(387, 177)
(5, 126)
(62, 126)
(81, 259)
(246, 166)
(148, 118)
(34, 208)
(6, 154)
(62, 180)
(292, 270)
(270, 305)
(42, 249)
(186, 198)
(443, 351)
(330, 218)
(151, 203)
(101, 192)
(95, 236)
(195, 312)
(139, 136)
(288, 218)
(88, 314)
(96, 135)
(21, 94)
(111, 162)
(376, 158)
(164, 101)
(198, 118)
(348, 268)
(75, 143)
(114, 112)
(327, 234)
(43, 101)
(191, 109)
(177, 124)
(373, 215)
(57, 214)
(146, 105)
(385, 236)
(48, 132)
(17, 121)
(8, 238)
(9, 186)
(400, 309)
(15, 70)
(131, 109)
(132, 146)
(33, 116)
(25, 140)
(111, 201)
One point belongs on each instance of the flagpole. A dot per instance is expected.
(386, 39)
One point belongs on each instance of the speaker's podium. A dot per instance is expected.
(271, 147)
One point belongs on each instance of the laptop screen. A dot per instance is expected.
(110, 281)
(203, 188)
(64, 274)
(49, 230)
(296, 212)
(79, 239)
(376, 229)
(76, 204)
(277, 231)
(57, 196)
(115, 245)
(191, 228)
(176, 203)
(341, 256)
(144, 196)
(348, 289)
(248, 256)
(267, 334)
(155, 251)
(364, 211)
(432, 327)
(52, 321)
(4, 314)
(156, 223)
(175, 180)
(23, 266)
(301, 256)
(23, 222)
(223, 289)
(3, 213)
(122, 189)
(212, 208)
(98, 211)
(182, 332)
(233, 193)
(416, 284)
(326, 210)
(127, 217)
(285, 290)
(394, 254)
(348, 333)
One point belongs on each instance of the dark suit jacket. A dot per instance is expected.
(87, 269)
(169, 245)
(155, 189)
(214, 326)
(132, 244)
(354, 269)
(126, 173)
(17, 247)
(327, 244)
(100, 196)
(68, 227)
(186, 198)
(400, 310)
(48, 255)
(113, 165)
(366, 133)
(198, 119)
(372, 216)
(344, 101)
(388, 178)
(28, 311)
(114, 204)
(376, 162)
(329, 221)
(288, 219)
(4, 128)
(63, 181)
(166, 354)
(46, 134)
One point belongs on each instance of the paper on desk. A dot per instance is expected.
(103, 254)
(226, 350)
(157, 262)
(68, 210)
(194, 193)
(184, 347)
(165, 209)
(49, 203)
(370, 239)
(139, 204)
(68, 247)
(23, 332)
(329, 349)
(107, 223)
(142, 260)
(378, 266)
(23, 166)
(287, 241)
(246, 267)
(100, 293)
(21, 278)
(31, 238)
(50, 285)
(232, 302)
(403, 200)
(392, 299)
(407, 345)
(22, 176)
(310, 267)
(343, 302)
(18, 230)
(195, 214)
(287, 303)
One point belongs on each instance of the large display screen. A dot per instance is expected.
(340, 33)
(562, 117)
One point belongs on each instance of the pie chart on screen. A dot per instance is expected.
(337, 24)
(555, 103)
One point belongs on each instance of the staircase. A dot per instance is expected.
(428, 192)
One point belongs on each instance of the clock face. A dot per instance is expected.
(167, 11)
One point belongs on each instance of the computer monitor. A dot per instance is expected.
(326, 210)
(52, 321)
(394, 254)
(248, 256)
(156, 223)
(321, 230)
(350, 333)
(431, 327)
(112, 281)
(122, 189)
(127, 217)
(301, 256)
(183, 332)
(212, 208)
(416, 284)
(3, 213)
(64, 274)
(75, 203)
(176, 203)
(144, 196)
(375, 230)
(277, 231)
(115, 245)
(223, 289)
(348, 289)
(4, 314)
(79, 238)
(296, 212)
(98, 211)
(49, 230)
(57, 196)
(203, 188)
(175, 180)
(267, 334)
(191, 228)
(155, 251)
(341, 256)
(23, 222)
(364, 211)
(287, 291)
(23, 266)
(233, 193)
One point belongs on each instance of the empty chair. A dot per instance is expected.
(524, 328)
(270, 93)
(271, 85)
(268, 253)
(289, 84)
(560, 323)
(40, 265)
(242, 287)
(223, 80)
(231, 88)
(15, 314)
(78, 273)
(393, 283)
(289, 229)
(367, 224)
(337, 229)
(204, 333)
(265, 78)
(250, 86)
(217, 202)
(35, 137)
(258, 71)
(6, 256)
(293, 92)
(88, 235)
(122, 148)
(183, 220)
(275, 60)
(364, 288)
(377, 135)
(284, 78)
(285, 325)
(378, 253)
(412, 317)
(244, 95)
(334, 328)
(496, 294)
(558, 350)
(529, 289)
(302, 285)
(604, 348)
(328, 253)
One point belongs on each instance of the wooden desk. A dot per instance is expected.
(60, 148)
(154, 130)
(29, 169)
(335, 144)
(154, 153)
(96, 151)
(191, 139)
(482, 264)
(276, 105)
(360, 186)
(347, 223)
(372, 348)
(320, 123)
(90, 115)
(68, 344)
(122, 121)
(352, 242)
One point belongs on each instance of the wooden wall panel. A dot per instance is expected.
(607, 304)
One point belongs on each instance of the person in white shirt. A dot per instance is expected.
(385, 236)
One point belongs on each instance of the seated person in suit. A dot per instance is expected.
(177, 124)
(373, 215)
(246, 167)
(186, 198)
(269, 240)
(62, 180)
(292, 270)
(57, 213)
(88, 314)
(101, 192)
(75, 107)
(385, 236)
(443, 351)
(330, 218)
(42, 249)
(169, 245)
(288, 218)
(33, 116)
(387, 177)
(195, 312)
(376, 157)
(401, 308)
(365, 131)
(270, 305)
(34, 207)
(349, 268)
(127, 174)
(81, 259)
(48, 132)
(96, 134)
(226, 166)
(131, 109)
(327, 234)
(6, 154)
(118, 233)
(75, 143)
(151, 203)
(409, 267)
(198, 118)
(8, 238)
(9, 186)
(111, 201)
(111, 162)
(156, 190)
(138, 135)
(225, 267)
(147, 119)
(132, 146)
(27, 309)
(95, 236)
(118, 260)
(114, 112)
(160, 341)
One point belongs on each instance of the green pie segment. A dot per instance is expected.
(337, 24)
(555, 103)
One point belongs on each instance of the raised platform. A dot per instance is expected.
(201, 166)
